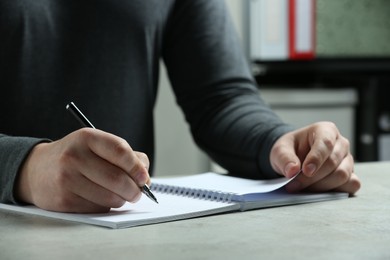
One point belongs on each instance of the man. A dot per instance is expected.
(104, 55)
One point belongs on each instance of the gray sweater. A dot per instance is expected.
(104, 55)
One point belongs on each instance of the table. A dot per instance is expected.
(354, 228)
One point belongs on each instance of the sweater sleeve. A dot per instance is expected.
(13, 152)
(216, 91)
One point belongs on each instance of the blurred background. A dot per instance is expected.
(313, 60)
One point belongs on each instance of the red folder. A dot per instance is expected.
(302, 29)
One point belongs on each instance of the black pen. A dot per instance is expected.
(71, 107)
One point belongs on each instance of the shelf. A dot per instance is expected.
(354, 71)
(368, 75)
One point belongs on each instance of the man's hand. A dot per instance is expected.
(322, 153)
(87, 171)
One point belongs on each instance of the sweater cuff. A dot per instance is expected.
(13, 152)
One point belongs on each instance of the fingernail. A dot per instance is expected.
(311, 168)
(140, 178)
(288, 170)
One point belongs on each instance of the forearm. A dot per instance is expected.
(214, 87)
(239, 135)
(13, 151)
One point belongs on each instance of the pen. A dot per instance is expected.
(71, 107)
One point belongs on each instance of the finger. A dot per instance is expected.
(331, 181)
(339, 154)
(145, 161)
(65, 199)
(352, 186)
(76, 204)
(283, 157)
(112, 180)
(322, 142)
(325, 179)
(118, 152)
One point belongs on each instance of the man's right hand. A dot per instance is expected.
(86, 171)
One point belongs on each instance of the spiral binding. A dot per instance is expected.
(212, 195)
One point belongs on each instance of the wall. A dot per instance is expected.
(176, 152)
(353, 27)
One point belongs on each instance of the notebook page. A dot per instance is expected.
(143, 212)
(224, 183)
(169, 208)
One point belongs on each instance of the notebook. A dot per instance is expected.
(191, 196)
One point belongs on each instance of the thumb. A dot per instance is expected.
(291, 169)
(284, 159)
